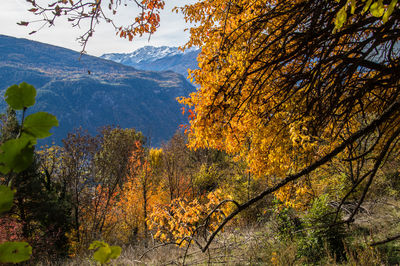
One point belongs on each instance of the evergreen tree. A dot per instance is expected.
(39, 206)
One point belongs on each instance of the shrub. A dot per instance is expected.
(322, 233)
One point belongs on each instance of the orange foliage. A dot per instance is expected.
(280, 91)
(181, 220)
(126, 219)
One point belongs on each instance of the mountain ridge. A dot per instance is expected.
(93, 92)
(158, 59)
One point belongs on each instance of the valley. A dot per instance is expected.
(91, 92)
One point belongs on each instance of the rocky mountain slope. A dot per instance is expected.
(93, 92)
(158, 59)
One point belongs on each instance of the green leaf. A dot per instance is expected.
(115, 252)
(366, 7)
(104, 252)
(377, 9)
(102, 255)
(341, 18)
(353, 6)
(97, 244)
(15, 252)
(39, 124)
(20, 96)
(389, 11)
(16, 155)
(6, 198)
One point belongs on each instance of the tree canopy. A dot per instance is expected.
(283, 87)
(291, 87)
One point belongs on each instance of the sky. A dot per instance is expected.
(170, 33)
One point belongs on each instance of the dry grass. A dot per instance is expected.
(260, 246)
(247, 246)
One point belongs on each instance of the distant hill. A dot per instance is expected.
(158, 59)
(93, 92)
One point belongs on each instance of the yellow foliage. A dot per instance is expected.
(266, 96)
(155, 156)
(182, 220)
(139, 194)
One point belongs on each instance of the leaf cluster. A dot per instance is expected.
(17, 154)
(283, 89)
(377, 9)
(182, 221)
(104, 253)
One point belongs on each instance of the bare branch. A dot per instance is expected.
(387, 240)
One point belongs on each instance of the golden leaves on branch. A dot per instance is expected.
(376, 8)
(182, 220)
(278, 90)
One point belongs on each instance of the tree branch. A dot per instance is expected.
(390, 111)
(387, 240)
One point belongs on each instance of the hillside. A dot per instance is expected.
(93, 92)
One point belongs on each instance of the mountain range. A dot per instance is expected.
(158, 59)
(93, 92)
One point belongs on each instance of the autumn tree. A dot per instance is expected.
(184, 222)
(77, 173)
(9, 125)
(289, 91)
(142, 178)
(291, 87)
(110, 169)
(126, 219)
(176, 167)
(111, 161)
(191, 173)
(93, 169)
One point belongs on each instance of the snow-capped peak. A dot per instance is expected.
(146, 53)
(159, 59)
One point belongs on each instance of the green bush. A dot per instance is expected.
(391, 251)
(285, 222)
(322, 236)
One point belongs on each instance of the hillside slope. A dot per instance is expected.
(93, 92)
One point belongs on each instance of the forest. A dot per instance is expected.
(290, 155)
